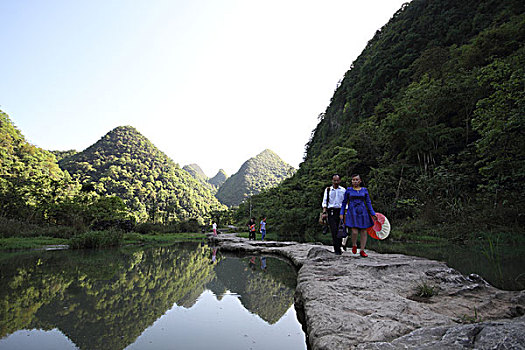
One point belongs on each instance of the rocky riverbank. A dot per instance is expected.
(374, 303)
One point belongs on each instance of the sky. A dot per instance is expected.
(212, 82)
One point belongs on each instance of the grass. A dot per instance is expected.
(471, 319)
(425, 290)
(14, 243)
(97, 239)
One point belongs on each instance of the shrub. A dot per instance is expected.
(191, 225)
(133, 236)
(125, 225)
(96, 239)
(148, 228)
(16, 228)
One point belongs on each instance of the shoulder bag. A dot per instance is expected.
(322, 216)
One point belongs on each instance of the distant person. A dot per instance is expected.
(251, 263)
(359, 214)
(214, 226)
(332, 201)
(263, 263)
(251, 229)
(262, 226)
(213, 255)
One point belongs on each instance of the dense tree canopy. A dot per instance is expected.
(30, 179)
(126, 164)
(430, 114)
(59, 155)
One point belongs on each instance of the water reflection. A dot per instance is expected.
(180, 295)
(503, 267)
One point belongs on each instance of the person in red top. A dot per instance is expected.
(251, 229)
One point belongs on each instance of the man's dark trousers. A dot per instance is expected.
(333, 222)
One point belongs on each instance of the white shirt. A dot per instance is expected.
(214, 226)
(336, 197)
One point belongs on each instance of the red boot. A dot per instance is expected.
(363, 254)
(354, 249)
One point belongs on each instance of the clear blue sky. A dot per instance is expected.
(212, 82)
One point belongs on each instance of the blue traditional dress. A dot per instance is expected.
(358, 202)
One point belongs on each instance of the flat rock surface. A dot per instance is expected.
(351, 302)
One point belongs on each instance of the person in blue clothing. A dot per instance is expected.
(359, 214)
(263, 228)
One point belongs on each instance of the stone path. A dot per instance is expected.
(369, 303)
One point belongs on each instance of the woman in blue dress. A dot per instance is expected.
(358, 218)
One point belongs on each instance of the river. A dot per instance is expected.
(182, 296)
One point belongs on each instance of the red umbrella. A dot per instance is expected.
(381, 228)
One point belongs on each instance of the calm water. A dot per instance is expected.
(502, 266)
(178, 297)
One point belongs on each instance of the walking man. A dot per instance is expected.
(332, 200)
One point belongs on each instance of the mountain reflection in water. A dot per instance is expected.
(184, 296)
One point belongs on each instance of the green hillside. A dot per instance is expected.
(196, 171)
(218, 179)
(154, 188)
(263, 171)
(30, 180)
(59, 155)
(431, 115)
(198, 174)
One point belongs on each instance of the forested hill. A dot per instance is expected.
(30, 180)
(263, 171)
(126, 164)
(213, 183)
(59, 155)
(196, 171)
(198, 174)
(431, 115)
(218, 179)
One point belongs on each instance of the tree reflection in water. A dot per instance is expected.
(106, 299)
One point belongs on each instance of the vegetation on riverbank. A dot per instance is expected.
(431, 116)
(98, 239)
(17, 243)
(167, 238)
(120, 181)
